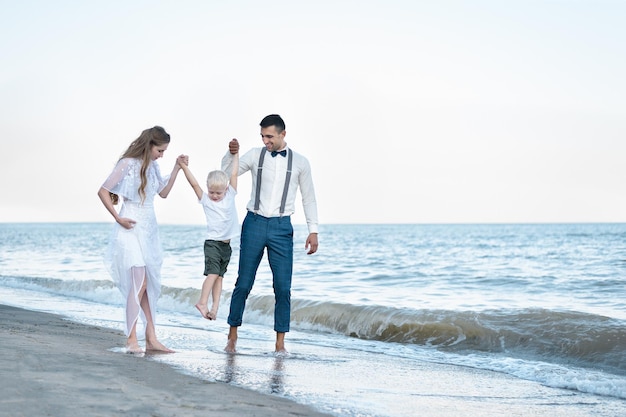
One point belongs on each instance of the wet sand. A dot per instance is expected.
(50, 366)
(54, 367)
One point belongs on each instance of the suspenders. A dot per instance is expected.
(259, 172)
(257, 198)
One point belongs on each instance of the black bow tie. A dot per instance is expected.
(283, 153)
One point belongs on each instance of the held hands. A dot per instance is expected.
(233, 146)
(182, 160)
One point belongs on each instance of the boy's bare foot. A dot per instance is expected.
(212, 315)
(202, 308)
(156, 346)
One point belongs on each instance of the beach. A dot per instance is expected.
(55, 367)
(52, 366)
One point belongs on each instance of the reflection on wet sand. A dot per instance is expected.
(276, 374)
(276, 380)
(230, 368)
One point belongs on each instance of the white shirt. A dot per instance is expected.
(221, 216)
(273, 182)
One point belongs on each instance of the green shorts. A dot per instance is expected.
(216, 257)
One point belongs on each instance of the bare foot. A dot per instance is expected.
(280, 343)
(212, 315)
(231, 346)
(202, 308)
(156, 346)
(133, 347)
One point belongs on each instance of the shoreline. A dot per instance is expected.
(51, 366)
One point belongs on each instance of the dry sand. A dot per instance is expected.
(54, 367)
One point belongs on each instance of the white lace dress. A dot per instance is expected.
(130, 251)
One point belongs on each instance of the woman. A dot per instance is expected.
(134, 256)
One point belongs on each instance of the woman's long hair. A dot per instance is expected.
(141, 148)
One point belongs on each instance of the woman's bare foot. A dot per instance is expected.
(212, 315)
(202, 308)
(156, 346)
(133, 347)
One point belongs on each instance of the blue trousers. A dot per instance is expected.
(257, 234)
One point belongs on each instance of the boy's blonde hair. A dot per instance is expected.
(217, 178)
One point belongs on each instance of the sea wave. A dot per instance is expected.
(566, 336)
(92, 290)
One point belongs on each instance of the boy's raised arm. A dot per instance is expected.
(234, 175)
(192, 180)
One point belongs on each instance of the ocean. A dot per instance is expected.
(374, 310)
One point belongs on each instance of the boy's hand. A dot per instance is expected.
(233, 146)
(182, 160)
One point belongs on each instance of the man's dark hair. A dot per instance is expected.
(273, 120)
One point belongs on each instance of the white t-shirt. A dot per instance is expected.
(221, 216)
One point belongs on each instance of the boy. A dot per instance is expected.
(222, 226)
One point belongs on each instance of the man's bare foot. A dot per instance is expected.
(232, 340)
(231, 346)
(212, 315)
(280, 343)
(156, 346)
(280, 348)
(202, 308)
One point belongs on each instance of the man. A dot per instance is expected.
(277, 172)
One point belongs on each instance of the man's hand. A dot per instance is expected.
(311, 243)
(233, 146)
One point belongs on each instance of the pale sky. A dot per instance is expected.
(409, 111)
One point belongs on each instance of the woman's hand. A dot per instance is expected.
(182, 159)
(126, 223)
